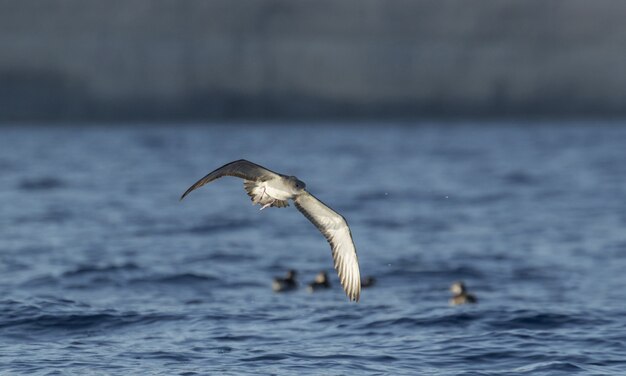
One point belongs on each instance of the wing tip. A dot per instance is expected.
(186, 193)
(355, 296)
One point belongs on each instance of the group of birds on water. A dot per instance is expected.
(270, 189)
(460, 295)
(321, 282)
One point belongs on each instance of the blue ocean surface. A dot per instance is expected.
(103, 271)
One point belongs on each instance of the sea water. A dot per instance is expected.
(103, 271)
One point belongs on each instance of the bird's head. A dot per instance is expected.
(458, 288)
(296, 185)
(321, 277)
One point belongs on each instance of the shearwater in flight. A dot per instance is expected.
(271, 189)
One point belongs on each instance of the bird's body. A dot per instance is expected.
(368, 281)
(320, 283)
(288, 283)
(269, 193)
(270, 189)
(463, 299)
(460, 294)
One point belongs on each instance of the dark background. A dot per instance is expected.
(146, 60)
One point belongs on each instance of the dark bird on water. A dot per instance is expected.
(320, 283)
(460, 294)
(271, 189)
(368, 281)
(288, 283)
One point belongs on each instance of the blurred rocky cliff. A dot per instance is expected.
(77, 60)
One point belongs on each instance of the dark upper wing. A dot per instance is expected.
(335, 229)
(241, 169)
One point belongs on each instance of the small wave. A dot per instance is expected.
(454, 319)
(272, 357)
(372, 358)
(41, 184)
(163, 355)
(104, 269)
(87, 276)
(375, 358)
(65, 321)
(225, 257)
(549, 367)
(59, 314)
(338, 318)
(489, 355)
(531, 320)
(242, 338)
(39, 281)
(519, 178)
(178, 279)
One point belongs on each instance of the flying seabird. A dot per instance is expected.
(271, 189)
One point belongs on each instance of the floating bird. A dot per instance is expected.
(288, 283)
(270, 189)
(321, 282)
(368, 282)
(460, 294)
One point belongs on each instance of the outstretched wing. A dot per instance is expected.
(335, 229)
(241, 169)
